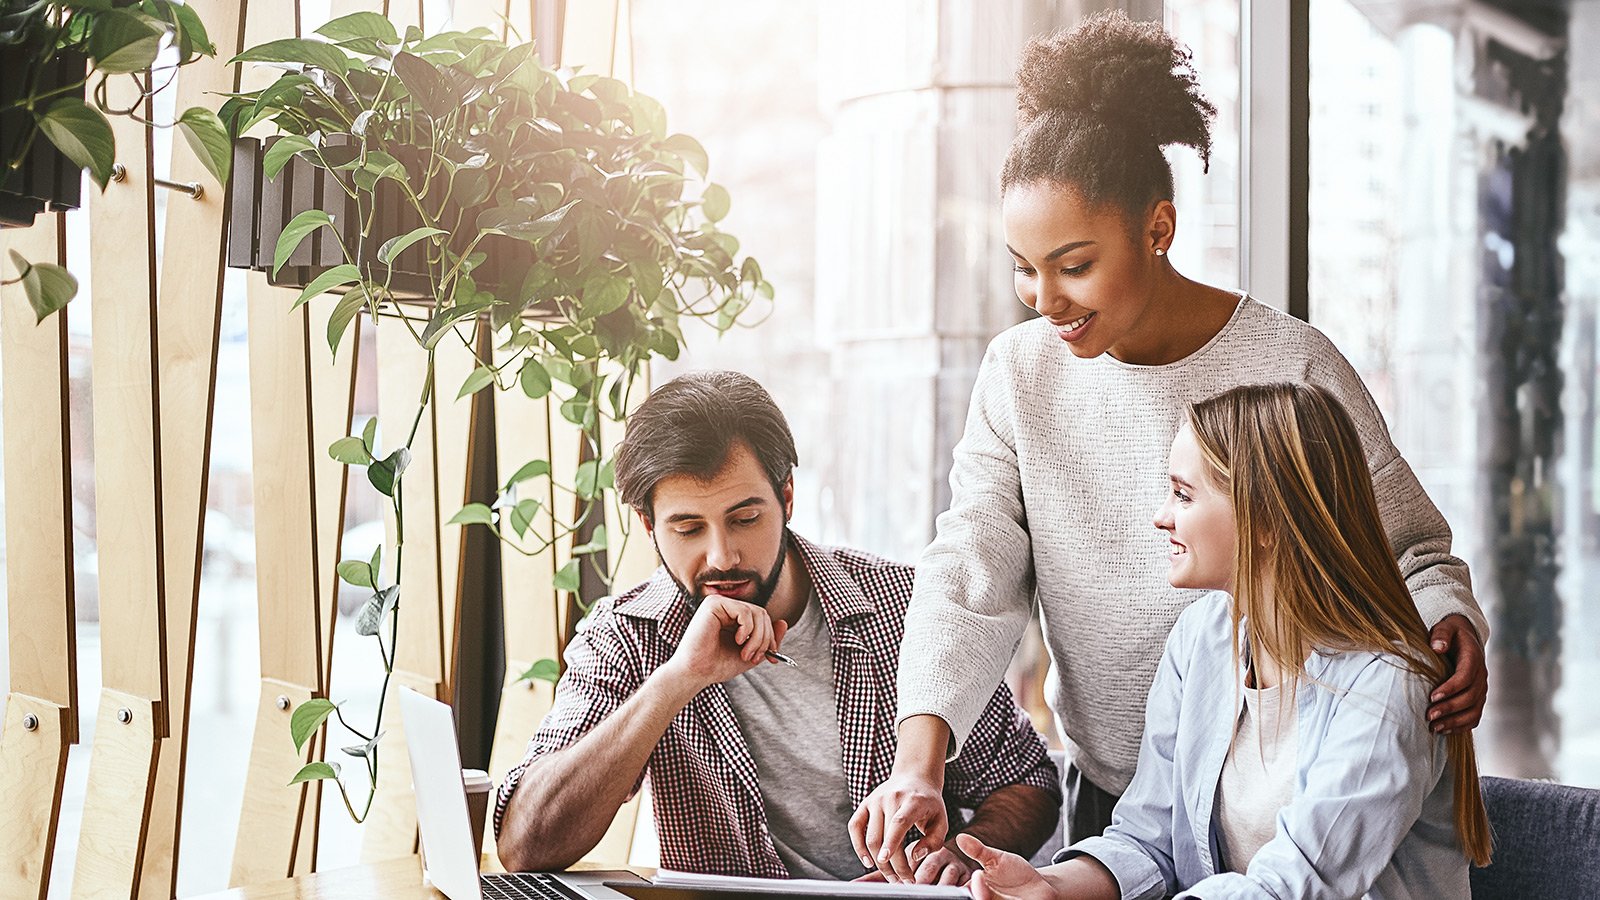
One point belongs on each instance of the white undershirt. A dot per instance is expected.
(1258, 777)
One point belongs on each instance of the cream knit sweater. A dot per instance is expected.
(1055, 482)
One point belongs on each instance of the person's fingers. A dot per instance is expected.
(779, 629)
(979, 886)
(756, 644)
(1459, 680)
(875, 837)
(954, 874)
(930, 868)
(742, 633)
(858, 834)
(873, 876)
(1465, 721)
(1442, 636)
(973, 847)
(892, 853)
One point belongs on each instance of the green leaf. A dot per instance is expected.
(307, 718)
(543, 670)
(316, 771)
(568, 578)
(355, 571)
(376, 607)
(395, 246)
(602, 295)
(597, 542)
(375, 562)
(122, 42)
(350, 451)
(648, 116)
(209, 140)
(361, 25)
(579, 411)
(334, 277)
(608, 475)
(535, 380)
(192, 31)
(364, 750)
(47, 285)
(281, 151)
(473, 514)
(438, 90)
(442, 319)
(533, 469)
(286, 91)
(689, 150)
(480, 378)
(369, 433)
(715, 202)
(298, 50)
(386, 471)
(586, 481)
(522, 515)
(344, 312)
(83, 135)
(298, 229)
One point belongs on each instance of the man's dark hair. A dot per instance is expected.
(689, 425)
(1096, 104)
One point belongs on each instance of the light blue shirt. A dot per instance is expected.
(1372, 815)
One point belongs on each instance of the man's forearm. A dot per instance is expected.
(1018, 818)
(566, 800)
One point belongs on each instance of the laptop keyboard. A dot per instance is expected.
(523, 886)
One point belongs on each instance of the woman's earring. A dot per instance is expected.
(1161, 251)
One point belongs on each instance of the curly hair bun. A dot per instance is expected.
(1132, 77)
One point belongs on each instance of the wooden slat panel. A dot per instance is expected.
(631, 556)
(128, 516)
(188, 326)
(40, 621)
(453, 446)
(468, 14)
(532, 624)
(391, 829)
(419, 656)
(269, 819)
(589, 36)
(33, 768)
(287, 576)
(122, 770)
(127, 457)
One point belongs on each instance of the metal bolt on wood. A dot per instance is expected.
(124, 715)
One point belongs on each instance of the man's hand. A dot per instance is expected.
(879, 828)
(1458, 702)
(942, 866)
(1005, 876)
(726, 638)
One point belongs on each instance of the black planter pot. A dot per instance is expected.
(46, 180)
(262, 207)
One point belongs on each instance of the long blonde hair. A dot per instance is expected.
(1308, 526)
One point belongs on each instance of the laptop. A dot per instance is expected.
(450, 863)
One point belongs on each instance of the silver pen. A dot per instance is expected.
(777, 657)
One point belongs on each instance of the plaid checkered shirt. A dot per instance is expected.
(707, 803)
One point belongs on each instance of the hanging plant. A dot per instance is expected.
(52, 54)
(463, 185)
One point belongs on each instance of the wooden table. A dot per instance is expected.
(395, 879)
(399, 879)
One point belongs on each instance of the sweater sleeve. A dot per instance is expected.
(1440, 584)
(974, 583)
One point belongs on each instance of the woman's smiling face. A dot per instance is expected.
(1081, 266)
(1198, 519)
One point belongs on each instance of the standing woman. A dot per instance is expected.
(1066, 444)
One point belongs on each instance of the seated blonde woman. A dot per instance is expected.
(1285, 752)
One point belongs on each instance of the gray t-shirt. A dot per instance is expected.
(789, 719)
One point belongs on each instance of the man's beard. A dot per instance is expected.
(765, 587)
